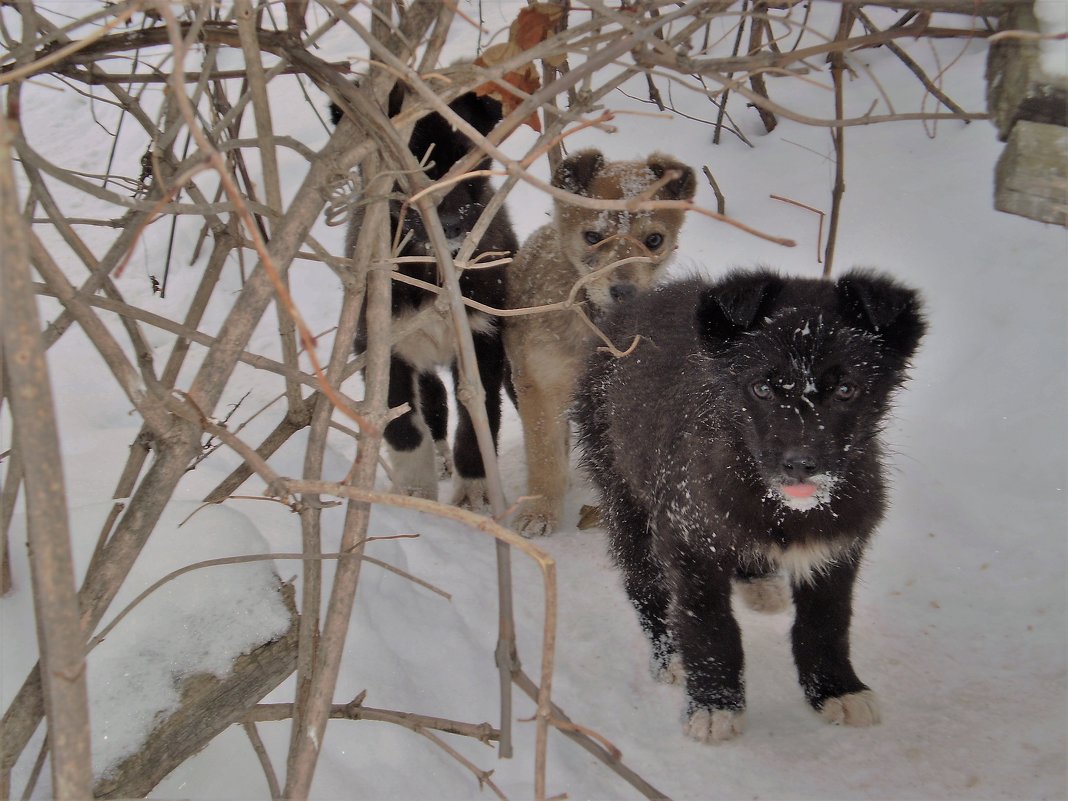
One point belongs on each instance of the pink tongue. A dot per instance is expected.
(799, 490)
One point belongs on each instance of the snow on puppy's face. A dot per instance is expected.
(813, 371)
(640, 242)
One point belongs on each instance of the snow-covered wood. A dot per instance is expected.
(209, 704)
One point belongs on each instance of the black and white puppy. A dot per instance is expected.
(739, 445)
(417, 441)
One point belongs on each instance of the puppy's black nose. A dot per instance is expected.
(453, 229)
(622, 292)
(799, 463)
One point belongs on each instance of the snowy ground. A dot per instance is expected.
(960, 617)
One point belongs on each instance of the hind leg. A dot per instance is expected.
(821, 648)
(470, 479)
(643, 579)
(434, 404)
(408, 442)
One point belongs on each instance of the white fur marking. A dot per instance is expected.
(714, 725)
(434, 343)
(801, 561)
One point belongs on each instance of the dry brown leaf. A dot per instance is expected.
(525, 79)
(589, 517)
(534, 24)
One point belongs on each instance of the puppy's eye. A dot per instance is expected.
(653, 241)
(845, 391)
(761, 389)
(592, 237)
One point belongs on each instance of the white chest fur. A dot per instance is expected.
(802, 562)
(433, 344)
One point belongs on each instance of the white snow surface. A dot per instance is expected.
(959, 622)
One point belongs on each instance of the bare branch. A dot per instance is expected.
(52, 567)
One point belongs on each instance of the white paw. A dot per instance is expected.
(671, 673)
(714, 725)
(470, 493)
(413, 472)
(443, 459)
(852, 709)
(768, 594)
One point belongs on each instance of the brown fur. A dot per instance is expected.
(547, 350)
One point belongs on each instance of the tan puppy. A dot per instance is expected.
(546, 351)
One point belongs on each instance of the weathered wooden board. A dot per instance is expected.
(1032, 173)
(209, 705)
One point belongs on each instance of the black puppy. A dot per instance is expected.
(740, 442)
(412, 438)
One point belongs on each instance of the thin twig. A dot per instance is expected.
(814, 210)
(356, 710)
(838, 137)
(264, 758)
(101, 635)
(721, 201)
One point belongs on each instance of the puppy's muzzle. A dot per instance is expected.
(799, 463)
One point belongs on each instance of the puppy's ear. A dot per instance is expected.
(736, 304)
(880, 305)
(482, 113)
(577, 171)
(335, 110)
(681, 188)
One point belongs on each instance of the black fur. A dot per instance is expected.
(739, 391)
(440, 146)
(576, 173)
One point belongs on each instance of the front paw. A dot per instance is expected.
(714, 725)
(471, 493)
(413, 472)
(852, 709)
(536, 518)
